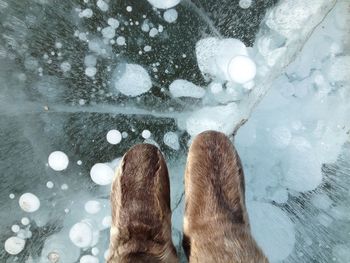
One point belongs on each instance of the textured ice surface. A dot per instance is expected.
(89, 79)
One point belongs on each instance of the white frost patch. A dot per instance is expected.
(183, 88)
(215, 87)
(171, 139)
(164, 4)
(29, 202)
(302, 168)
(341, 253)
(58, 161)
(170, 15)
(213, 118)
(114, 137)
(14, 245)
(339, 68)
(272, 229)
(102, 174)
(132, 80)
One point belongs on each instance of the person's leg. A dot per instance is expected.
(216, 227)
(141, 214)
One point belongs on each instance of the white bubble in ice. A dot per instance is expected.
(129, 8)
(29, 202)
(25, 221)
(170, 15)
(64, 186)
(132, 80)
(102, 5)
(242, 69)
(14, 245)
(171, 139)
(88, 259)
(81, 234)
(145, 27)
(58, 161)
(90, 61)
(102, 174)
(65, 66)
(58, 249)
(49, 184)
(147, 48)
(15, 228)
(121, 41)
(107, 221)
(153, 32)
(146, 134)
(106, 254)
(12, 196)
(183, 88)
(272, 229)
(245, 3)
(164, 4)
(125, 134)
(53, 257)
(92, 207)
(90, 71)
(108, 32)
(114, 137)
(86, 13)
(95, 251)
(114, 23)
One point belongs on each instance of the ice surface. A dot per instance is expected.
(272, 229)
(71, 72)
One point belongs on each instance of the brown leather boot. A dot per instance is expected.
(141, 214)
(216, 226)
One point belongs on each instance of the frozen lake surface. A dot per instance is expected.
(82, 81)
